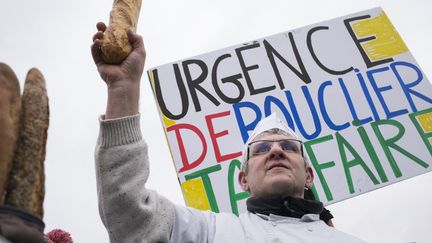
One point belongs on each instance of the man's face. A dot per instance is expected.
(278, 172)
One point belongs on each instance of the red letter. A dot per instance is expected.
(214, 136)
(186, 164)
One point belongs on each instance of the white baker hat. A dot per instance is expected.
(268, 123)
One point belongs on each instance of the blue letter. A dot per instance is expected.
(379, 90)
(324, 111)
(367, 94)
(356, 120)
(242, 126)
(407, 87)
(273, 100)
(313, 112)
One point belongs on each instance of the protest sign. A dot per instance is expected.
(348, 87)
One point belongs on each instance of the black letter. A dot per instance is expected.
(271, 52)
(245, 70)
(194, 84)
(312, 52)
(183, 94)
(368, 62)
(231, 79)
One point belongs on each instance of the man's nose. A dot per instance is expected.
(276, 151)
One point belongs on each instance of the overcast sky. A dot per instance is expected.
(55, 36)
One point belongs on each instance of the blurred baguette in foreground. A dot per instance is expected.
(10, 102)
(26, 186)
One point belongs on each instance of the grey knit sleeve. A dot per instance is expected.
(129, 211)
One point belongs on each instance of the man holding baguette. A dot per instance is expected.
(274, 171)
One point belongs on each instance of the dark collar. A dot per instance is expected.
(283, 206)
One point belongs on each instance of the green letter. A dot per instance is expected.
(422, 125)
(207, 184)
(320, 167)
(372, 154)
(234, 197)
(391, 142)
(342, 144)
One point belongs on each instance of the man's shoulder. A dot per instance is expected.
(338, 235)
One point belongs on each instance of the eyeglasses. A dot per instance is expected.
(264, 146)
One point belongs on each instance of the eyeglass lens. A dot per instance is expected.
(261, 147)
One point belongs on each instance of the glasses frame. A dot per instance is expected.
(274, 141)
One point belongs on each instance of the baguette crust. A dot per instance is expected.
(26, 186)
(10, 103)
(115, 43)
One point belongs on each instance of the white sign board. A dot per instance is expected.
(349, 88)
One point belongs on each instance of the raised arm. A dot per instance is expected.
(129, 211)
(123, 80)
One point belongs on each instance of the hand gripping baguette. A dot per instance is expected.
(26, 186)
(10, 102)
(115, 43)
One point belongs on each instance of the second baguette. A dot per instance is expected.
(26, 186)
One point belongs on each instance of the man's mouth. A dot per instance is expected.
(277, 165)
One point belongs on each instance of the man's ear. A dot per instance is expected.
(309, 177)
(243, 182)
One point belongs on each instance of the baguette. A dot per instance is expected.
(115, 43)
(26, 186)
(10, 102)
